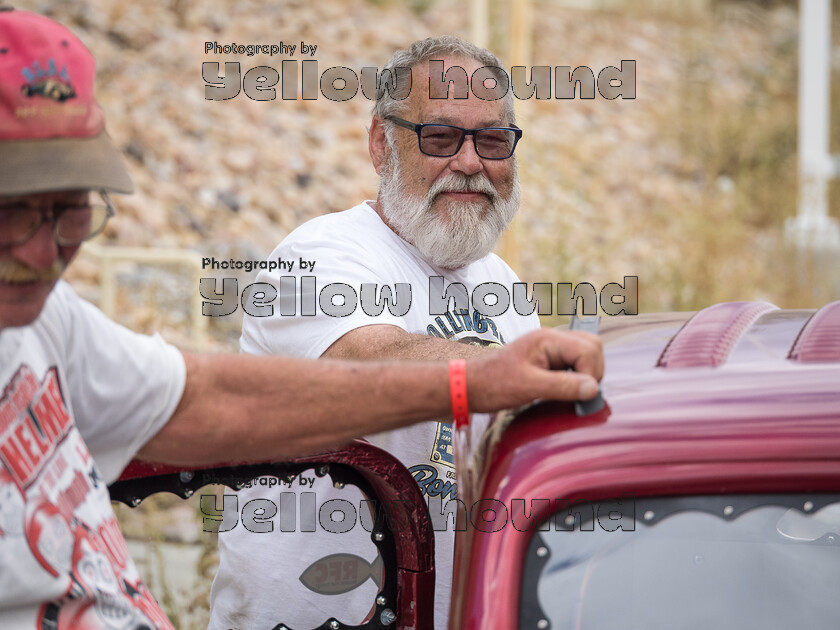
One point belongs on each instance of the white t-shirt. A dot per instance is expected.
(80, 396)
(301, 578)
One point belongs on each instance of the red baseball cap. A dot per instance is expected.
(52, 131)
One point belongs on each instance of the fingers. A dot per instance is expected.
(537, 366)
(578, 350)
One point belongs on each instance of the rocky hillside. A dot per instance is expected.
(686, 186)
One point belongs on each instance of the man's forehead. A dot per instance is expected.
(471, 111)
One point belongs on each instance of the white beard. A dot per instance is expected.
(457, 237)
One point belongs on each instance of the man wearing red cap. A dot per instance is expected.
(81, 396)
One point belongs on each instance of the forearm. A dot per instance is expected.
(390, 343)
(241, 408)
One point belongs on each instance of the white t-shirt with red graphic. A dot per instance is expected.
(80, 396)
(304, 571)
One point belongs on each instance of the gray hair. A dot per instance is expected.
(425, 49)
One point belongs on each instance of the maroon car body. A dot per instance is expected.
(738, 399)
(710, 418)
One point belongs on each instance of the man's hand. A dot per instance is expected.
(536, 366)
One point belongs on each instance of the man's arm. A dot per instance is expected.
(243, 408)
(391, 343)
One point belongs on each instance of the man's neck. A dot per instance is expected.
(376, 206)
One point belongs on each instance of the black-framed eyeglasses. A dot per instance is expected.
(437, 140)
(72, 223)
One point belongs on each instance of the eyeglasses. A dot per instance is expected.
(436, 140)
(72, 224)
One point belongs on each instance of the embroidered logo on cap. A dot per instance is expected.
(47, 82)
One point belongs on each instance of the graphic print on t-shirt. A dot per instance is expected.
(464, 327)
(467, 327)
(461, 325)
(442, 452)
(52, 521)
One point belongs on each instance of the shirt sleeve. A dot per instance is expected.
(124, 386)
(304, 323)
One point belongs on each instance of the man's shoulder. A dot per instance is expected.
(347, 225)
(491, 268)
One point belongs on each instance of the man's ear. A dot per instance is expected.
(377, 144)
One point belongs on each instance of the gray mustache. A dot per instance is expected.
(456, 182)
(15, 272)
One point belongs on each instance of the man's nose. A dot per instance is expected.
(466, 160)
(40, 251)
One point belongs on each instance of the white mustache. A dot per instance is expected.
(14, 272)
(457, 182)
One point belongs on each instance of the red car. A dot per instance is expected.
(705, 493)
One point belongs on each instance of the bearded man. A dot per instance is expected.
(448, 190)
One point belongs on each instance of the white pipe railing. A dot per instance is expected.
(111, 256)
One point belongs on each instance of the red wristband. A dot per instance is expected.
(458, 392)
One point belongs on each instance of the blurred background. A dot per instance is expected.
(688, 186)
